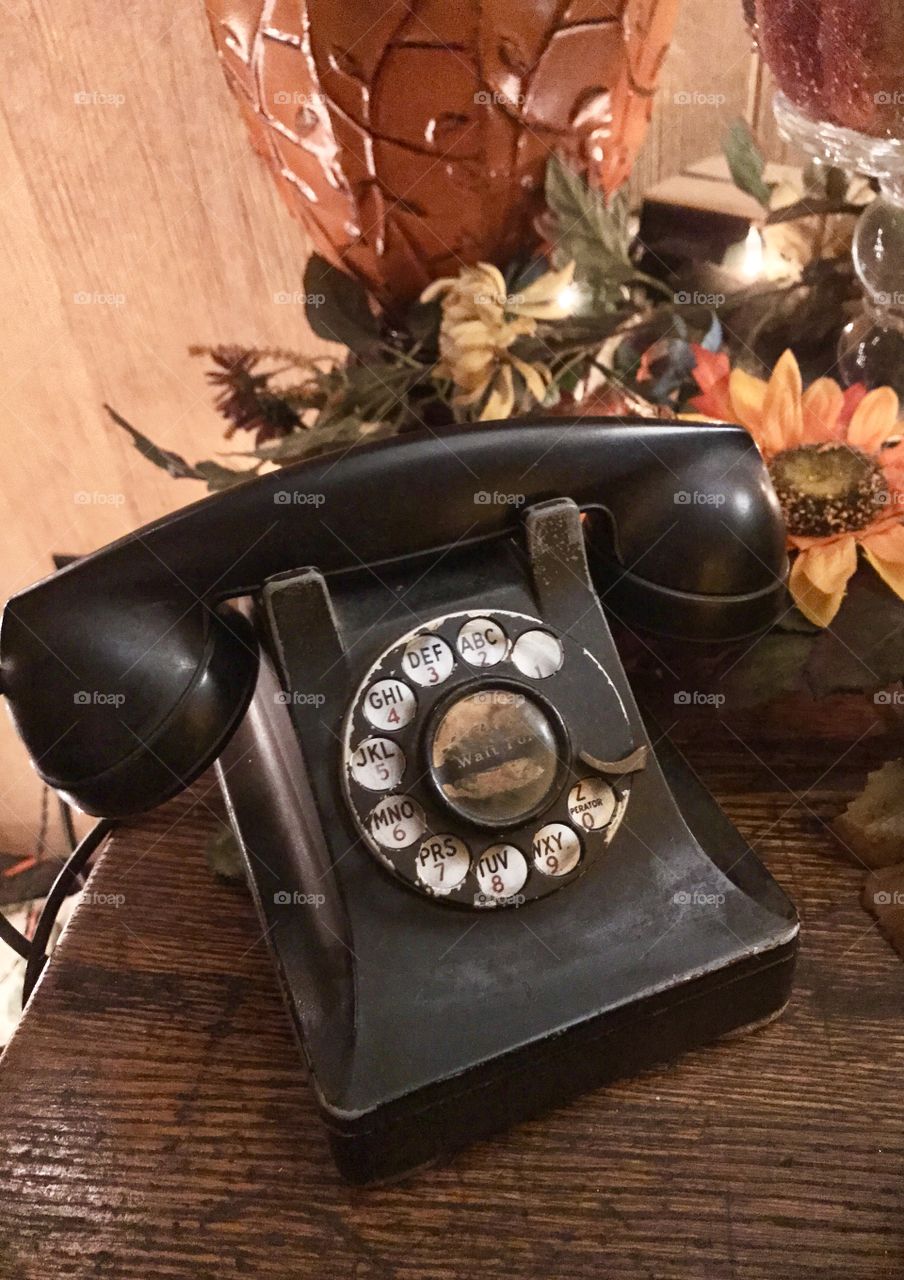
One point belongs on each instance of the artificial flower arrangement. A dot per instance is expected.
(580, 329)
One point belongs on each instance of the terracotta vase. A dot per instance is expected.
(412, 138)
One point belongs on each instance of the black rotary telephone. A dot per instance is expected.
(483, 888)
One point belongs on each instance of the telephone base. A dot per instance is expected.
(652, 994)
(362, 1158)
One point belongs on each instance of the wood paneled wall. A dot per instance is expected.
(135, 219)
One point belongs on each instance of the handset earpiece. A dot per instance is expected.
(140, 710)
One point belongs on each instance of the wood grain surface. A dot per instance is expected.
(136, 219)
(155, 1121)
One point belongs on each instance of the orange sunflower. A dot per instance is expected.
(838, 473)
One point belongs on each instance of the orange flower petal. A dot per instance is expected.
(714, 404)
(894, 478)
(831, 563)
(747, 395)
(892, 456)
(710, 367)
(886, 543)
(501, 399)
(783, 420)
(819, 578)
(874, 420)
(711, 373)
(821, 404)
(885, 552)
(891, 459)
(852, 397)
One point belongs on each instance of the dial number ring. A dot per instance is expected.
(441, 840)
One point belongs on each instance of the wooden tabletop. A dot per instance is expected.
(155, 1120)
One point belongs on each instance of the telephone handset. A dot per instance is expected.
(438, 743)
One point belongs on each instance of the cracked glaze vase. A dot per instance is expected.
(411, 138)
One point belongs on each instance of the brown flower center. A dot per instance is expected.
(827, 489)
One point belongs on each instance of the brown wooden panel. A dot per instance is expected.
(706, 83)
(763, 121)
(135, 220)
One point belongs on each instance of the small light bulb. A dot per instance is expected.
(568, 297)
(752, 262)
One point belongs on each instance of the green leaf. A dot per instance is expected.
(553, 396)
(288, 449)
(337, 308)
(324, 437)
(172, 463)
(219, 477)
(863, 649)
(595, 235)
(423, 320)
(746, 162)
(825, 182)
(809, 208)
(836, 181)
(773, 666)
(214, 474)
(224, 857)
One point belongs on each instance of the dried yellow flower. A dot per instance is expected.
(481, 321)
